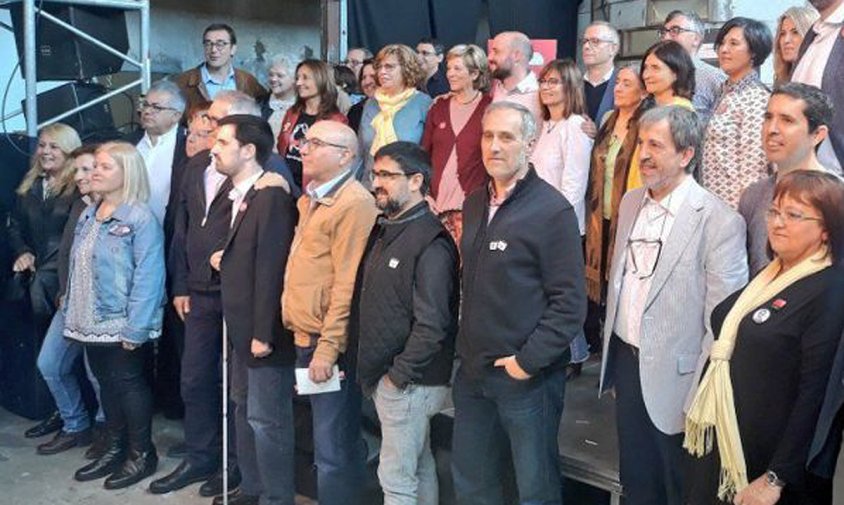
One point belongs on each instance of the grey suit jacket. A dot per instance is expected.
(703, 260)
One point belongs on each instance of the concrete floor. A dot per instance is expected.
(29, 479)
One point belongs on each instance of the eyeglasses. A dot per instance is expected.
(143, 106)
(315, 143)
(550, 82)
(674, 31)
(353, 63)
(789, 216)
(644, 256)
(594, 41)
(389, 67)
(219, 45)
(385, 175)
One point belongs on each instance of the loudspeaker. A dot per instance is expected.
(60, 55)
(93, 120)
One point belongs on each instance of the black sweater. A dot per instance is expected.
(523, 279)
(406, 302)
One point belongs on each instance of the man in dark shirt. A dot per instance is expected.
(599, 45)
(430, 55)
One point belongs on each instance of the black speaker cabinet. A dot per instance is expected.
(95, 119)
(60, 55)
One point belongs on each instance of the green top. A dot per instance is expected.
(613, 149)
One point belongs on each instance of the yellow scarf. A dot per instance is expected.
(713, 406)
(385, 133)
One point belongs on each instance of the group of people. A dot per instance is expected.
(348, 237)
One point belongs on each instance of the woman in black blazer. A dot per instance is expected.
(785, 326)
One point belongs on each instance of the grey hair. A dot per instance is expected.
(616, 38)
(366, 52)
(177, 98)
(528, 121)
(281, 60)
(239, 102)
(684, 125)
(695, 22)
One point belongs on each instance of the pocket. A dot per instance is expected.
(687, 363)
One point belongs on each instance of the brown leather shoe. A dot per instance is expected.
(64, 441)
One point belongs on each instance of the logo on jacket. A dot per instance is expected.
(119, 230)
(497, 245)
(393, 263)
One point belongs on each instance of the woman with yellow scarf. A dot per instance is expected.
(398, 110)
(753, 415)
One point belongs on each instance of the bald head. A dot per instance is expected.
(331, 148)
(510, 56)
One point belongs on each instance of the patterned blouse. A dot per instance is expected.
(733, 158)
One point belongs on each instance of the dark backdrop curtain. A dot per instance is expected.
(375, 23)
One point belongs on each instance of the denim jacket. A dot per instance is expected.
(128, 275)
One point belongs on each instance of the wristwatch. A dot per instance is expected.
(774, 480)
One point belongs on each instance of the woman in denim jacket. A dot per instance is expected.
(114, 305)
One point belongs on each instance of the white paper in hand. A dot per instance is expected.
(305, 386)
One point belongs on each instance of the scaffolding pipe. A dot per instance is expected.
(79, 33)
(91, 103)
(30, 103)
(115, 4)
(145, 63)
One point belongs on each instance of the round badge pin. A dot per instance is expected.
(761, 315)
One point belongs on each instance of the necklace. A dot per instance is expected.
(475, 96)
(550, 125)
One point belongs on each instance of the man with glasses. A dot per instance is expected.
(336, 214)
(217, 73)
(679, 251)
(355, 58)
(599, 46)
(797, 120)
(687, 29)
(404, 319)
(524, 301)
(430, 54)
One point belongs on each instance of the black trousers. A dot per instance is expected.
(124, 391)
(201, 382)
(651, 463)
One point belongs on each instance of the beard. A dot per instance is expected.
(390, 206)
(502, 73)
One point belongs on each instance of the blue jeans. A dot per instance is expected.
(495, 413)
(264, 421)
(56, 362)
(579, 348)
(339, 449)
(406, 469)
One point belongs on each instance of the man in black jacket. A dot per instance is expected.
(524, 300)
(251, 263)
(405, 313)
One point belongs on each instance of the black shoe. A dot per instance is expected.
(99, 446)
(184, 475)
(236, 498)
(64, 441)
(214, 485)
(107, 464)
(137, 467)
(178, 450)
(573, 371)
(50, 425)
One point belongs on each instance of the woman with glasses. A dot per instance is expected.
(791, 28)
(754, 413)
(614, 169)
(562, 152)
(669, 74)
(398, 109)
(114, 307)
(316, 100)
(453, 135)
(733, 158)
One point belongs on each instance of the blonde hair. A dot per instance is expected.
(411, 71)
(135, 182)
(803, 19)
(475, 60)
(68, 140)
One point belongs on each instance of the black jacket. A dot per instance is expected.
(406, 302)
(76, 209)
(523, 279)
(252, 274)
(37, 224)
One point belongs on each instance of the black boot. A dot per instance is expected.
(137, 467)
(107, 464)
(100, 443)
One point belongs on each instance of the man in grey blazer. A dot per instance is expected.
(679, 251)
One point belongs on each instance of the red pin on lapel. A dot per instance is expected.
(778, 304)
(242, 207)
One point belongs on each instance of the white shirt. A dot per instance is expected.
(238, 193)
(811, 68)
(603, 79)
(653, 222)
(213, 182)
(561, 158)
(158, 159)
(525, 93)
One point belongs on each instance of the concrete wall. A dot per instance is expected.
(289, 27)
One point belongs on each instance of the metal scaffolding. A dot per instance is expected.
(31, 10)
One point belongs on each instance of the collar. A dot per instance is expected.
(836, 18)
(206, 77)
(318, 193)
(527, 85)
(277, 104)
(747, 81)
(606, 77)
(164, 139)
(244, 186)
(121, 213)
(672, 202)
(498, 200)
(410, 214)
